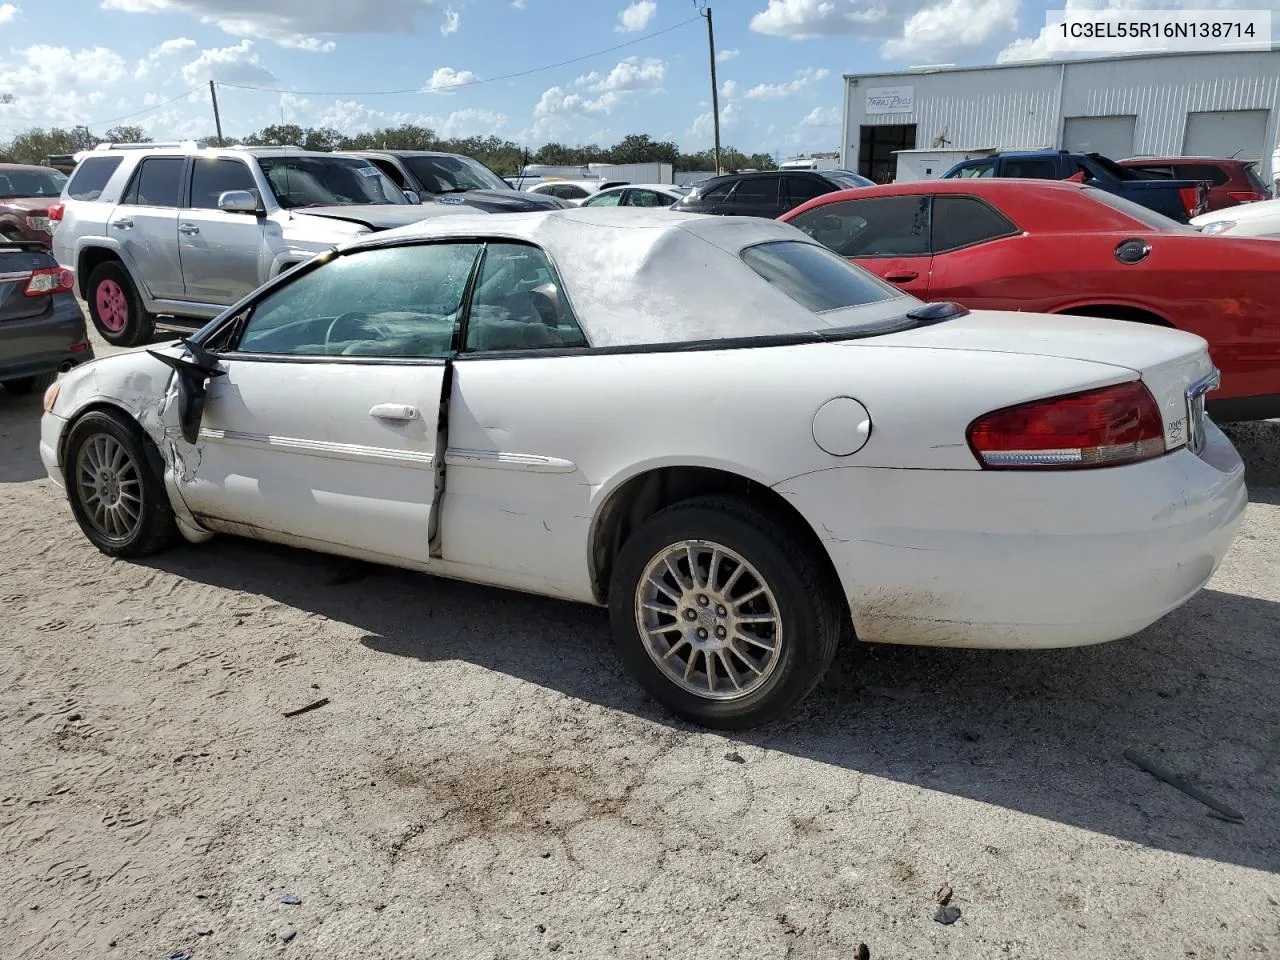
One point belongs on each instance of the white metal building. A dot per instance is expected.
(1169, 104)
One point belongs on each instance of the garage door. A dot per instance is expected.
(1110, 136)
(1241, 133)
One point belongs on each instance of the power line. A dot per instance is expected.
(470, 83)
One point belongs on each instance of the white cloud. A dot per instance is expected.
(780, 91)
(636, 17)
(703, 127)
(730, 88)
(293, 22)
(452, 20)
(57, 86)
(803, 19)
(953, 25)
(821, 117)
(235, 64)
(472, 122)
(308, 44)
(152, 59)
(724, 56)
(630, 74)
(445, 77)
(8, 11)
(518, 4)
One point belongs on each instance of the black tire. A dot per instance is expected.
(139, 326)
(808, 606)
(25, 385)
(155, 528)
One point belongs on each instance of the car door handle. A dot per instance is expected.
(394, 411)
(124, 223)
(901, 276)
(190, 229)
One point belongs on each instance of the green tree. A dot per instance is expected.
(37, 143)
(125, 134)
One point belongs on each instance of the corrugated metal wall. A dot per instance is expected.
(1022, 107)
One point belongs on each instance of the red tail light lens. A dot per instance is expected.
(50, 280)
(1097, 428)
(1190, 200)
(55, 212)
(1246, 196)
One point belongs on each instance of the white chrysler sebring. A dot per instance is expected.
(743, 445)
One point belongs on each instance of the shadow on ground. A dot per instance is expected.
(1039, 733)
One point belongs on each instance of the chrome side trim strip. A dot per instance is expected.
(1195, 394)
(319, 448)
(498, 460)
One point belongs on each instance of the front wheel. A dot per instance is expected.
(116, 493)
(722, 614)
(116, 308)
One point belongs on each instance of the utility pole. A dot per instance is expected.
(217, 118)
(715, 92)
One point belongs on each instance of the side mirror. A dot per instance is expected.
(240, 201)
(412, 197)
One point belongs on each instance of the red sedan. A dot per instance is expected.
(1054, 247)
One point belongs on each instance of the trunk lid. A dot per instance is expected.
(1173, 364)
(17, 261)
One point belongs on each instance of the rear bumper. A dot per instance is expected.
(1024, 560)
(43, 344)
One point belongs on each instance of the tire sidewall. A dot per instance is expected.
(154, 497)
(803, 658)
(139, 327)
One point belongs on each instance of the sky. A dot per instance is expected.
(638, 67)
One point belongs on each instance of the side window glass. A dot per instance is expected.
(756, 190)
(392, 172)
(610, 199)
(158, 183)
(646, 198)
(519, 304)
(91, 176)
(717, 193)
(987, 169)
(1031, 169)
(393, 302)
(210, 179)
(875, 227)
(804, 189)
(963, 221)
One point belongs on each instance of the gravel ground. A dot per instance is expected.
(484, 782)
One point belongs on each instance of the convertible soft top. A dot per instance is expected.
(640, 277)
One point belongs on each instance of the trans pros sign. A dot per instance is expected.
(891, 99)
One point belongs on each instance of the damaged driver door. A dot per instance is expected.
(322, 428)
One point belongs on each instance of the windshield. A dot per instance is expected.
(453, 174)
(1135, 211)
(31, 183)
(309, 181)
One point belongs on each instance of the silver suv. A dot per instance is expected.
(185, 231)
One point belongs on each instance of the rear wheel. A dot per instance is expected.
(115, 491)
(24, 385)
(721, 614)
(116, 308)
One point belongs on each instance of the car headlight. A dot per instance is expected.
(1218, 226)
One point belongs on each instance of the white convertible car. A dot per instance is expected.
(743, 445)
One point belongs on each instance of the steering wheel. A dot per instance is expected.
(354, 317)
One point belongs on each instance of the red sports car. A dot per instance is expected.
(1053, 247)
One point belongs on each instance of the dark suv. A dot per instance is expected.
(1231, 182)
(765, 194)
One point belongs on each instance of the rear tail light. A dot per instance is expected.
(55, 212)
(1096, 428)
(50, 280)
(40, 224)
(1190, 200)
(1246, 196)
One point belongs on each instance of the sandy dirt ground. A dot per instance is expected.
(484, 781)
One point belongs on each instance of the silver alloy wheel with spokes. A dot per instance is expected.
(110, 487)
(708, 620)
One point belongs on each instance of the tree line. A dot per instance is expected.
(503, 156)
